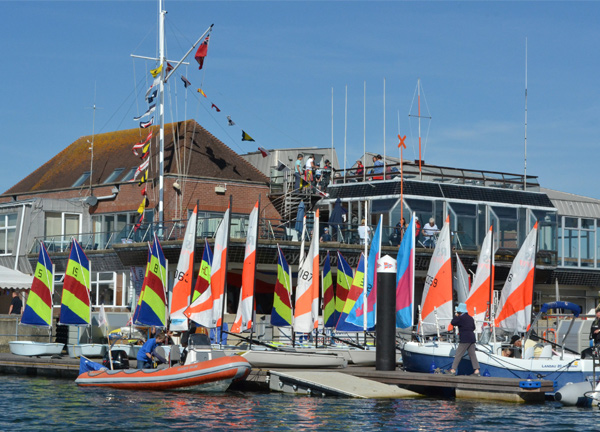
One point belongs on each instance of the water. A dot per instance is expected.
(44, 404)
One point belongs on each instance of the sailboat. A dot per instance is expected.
(513, 315)
(38, 309)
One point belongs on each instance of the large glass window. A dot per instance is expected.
(8, 233)
(463, 224)
(547, 225)
(506, 221)
(570, 242)
(119, 228)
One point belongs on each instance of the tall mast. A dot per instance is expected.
(345, 131)
(161, 113)
(384, 162)
(419, 113)
(364, 158)
(525, 170)
(332, 126)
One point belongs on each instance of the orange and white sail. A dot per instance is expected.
(514, 309)
(437, 293)
(481, 291)
(182, 285)
(243, 319)
(207, 310)
(306, 314)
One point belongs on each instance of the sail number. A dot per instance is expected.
(181, 276)
(430, 280)
(305, 275)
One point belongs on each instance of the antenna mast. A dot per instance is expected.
(525, 170)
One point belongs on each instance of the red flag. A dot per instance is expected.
(216, 107)
(169, 67)
(202, 51)
(264, 152)
(144, 190)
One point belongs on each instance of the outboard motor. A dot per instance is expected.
(119, 360)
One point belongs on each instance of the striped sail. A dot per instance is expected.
(461, 282)
(356, 316)
(75, 301)
(207, 309)
(514, 309)
(328, 297)
(307, 290)
(203, 279)
(281, 315)
(343, 283)
(138, 306)
(153, 304)
(437, 293)
(182, 285)
(243, 319)
(481, 291)
(356, 290)
(38, 309)
(405, 278)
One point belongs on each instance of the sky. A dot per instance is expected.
(272, 65)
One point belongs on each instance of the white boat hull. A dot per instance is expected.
(275, 359)
(87, 350)
(29, 348)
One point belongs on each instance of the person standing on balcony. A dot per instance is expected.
(298, 170)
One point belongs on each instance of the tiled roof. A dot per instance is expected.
(197, 154)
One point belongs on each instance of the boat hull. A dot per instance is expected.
(438, 356)
(178, 377)
(29, 348)
(274, 359)
(87, 350)
(581, 394)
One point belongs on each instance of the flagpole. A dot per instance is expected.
(384, 161)
(332, 127)
(365, 278)
(364, 158)
(345, 132)
(161, 115)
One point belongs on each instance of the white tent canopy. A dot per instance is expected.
(13, 279)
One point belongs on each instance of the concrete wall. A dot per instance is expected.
(10, 330)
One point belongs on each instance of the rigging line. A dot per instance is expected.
(412, 103)
(252, 113)
(208, 110)
(115, 112)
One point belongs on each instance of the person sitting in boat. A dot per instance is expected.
(535, 344)
(515, 349)
(466, 336)
(148, 351)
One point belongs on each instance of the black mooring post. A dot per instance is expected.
(385, 356)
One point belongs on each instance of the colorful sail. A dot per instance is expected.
(307, 291)
(437, 293)
(38, 309)
(343, 283)
(75, 306)
(281, 315)
(328, 296)
(514, 309)
(356, 291)
(480, 294)
(203, 279)
(182, 285)
(207, 310)
(153, 300)
(243, 318)
(405, 278)
(356, 316)
(138, 306)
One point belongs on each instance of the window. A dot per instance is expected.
(463, 224)
(129, 174)
(81, 180)
(577, 242)
(114, 175)
(505, 222)
(8, 233)
(59, 228)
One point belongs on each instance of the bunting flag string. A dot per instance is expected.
(144, 125)
(230, 122)
(186, 83)
(246, 137)
(142, 167)
(215, 107)
(150, 111)
(143, 145)
(263, 151)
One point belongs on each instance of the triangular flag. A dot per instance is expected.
(216, 107)
(186, 83)
(202, 92)
(144, 177)
(229, 121)
(169, 67)
(144, 125)
(150, 111)
(144, 190)
(142, 206)
(263, 151)
(246, 137)
(156, 72)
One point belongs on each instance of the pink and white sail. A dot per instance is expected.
(243, 318)
(306, 313)
(514, 309)
(480, 294)
(207, 310)
(437, 293)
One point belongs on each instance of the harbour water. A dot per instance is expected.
(44, 404)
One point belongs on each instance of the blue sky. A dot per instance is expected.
(271, 67)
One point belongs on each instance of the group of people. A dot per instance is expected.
(311, 174)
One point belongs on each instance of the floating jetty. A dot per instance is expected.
(353, 381)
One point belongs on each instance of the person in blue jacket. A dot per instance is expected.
(466, 338)
(148, 350)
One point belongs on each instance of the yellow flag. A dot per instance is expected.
(143, 178)
(156, 72)
(201, 92)
(142, 206)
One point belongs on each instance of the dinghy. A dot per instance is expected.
(31, 349)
